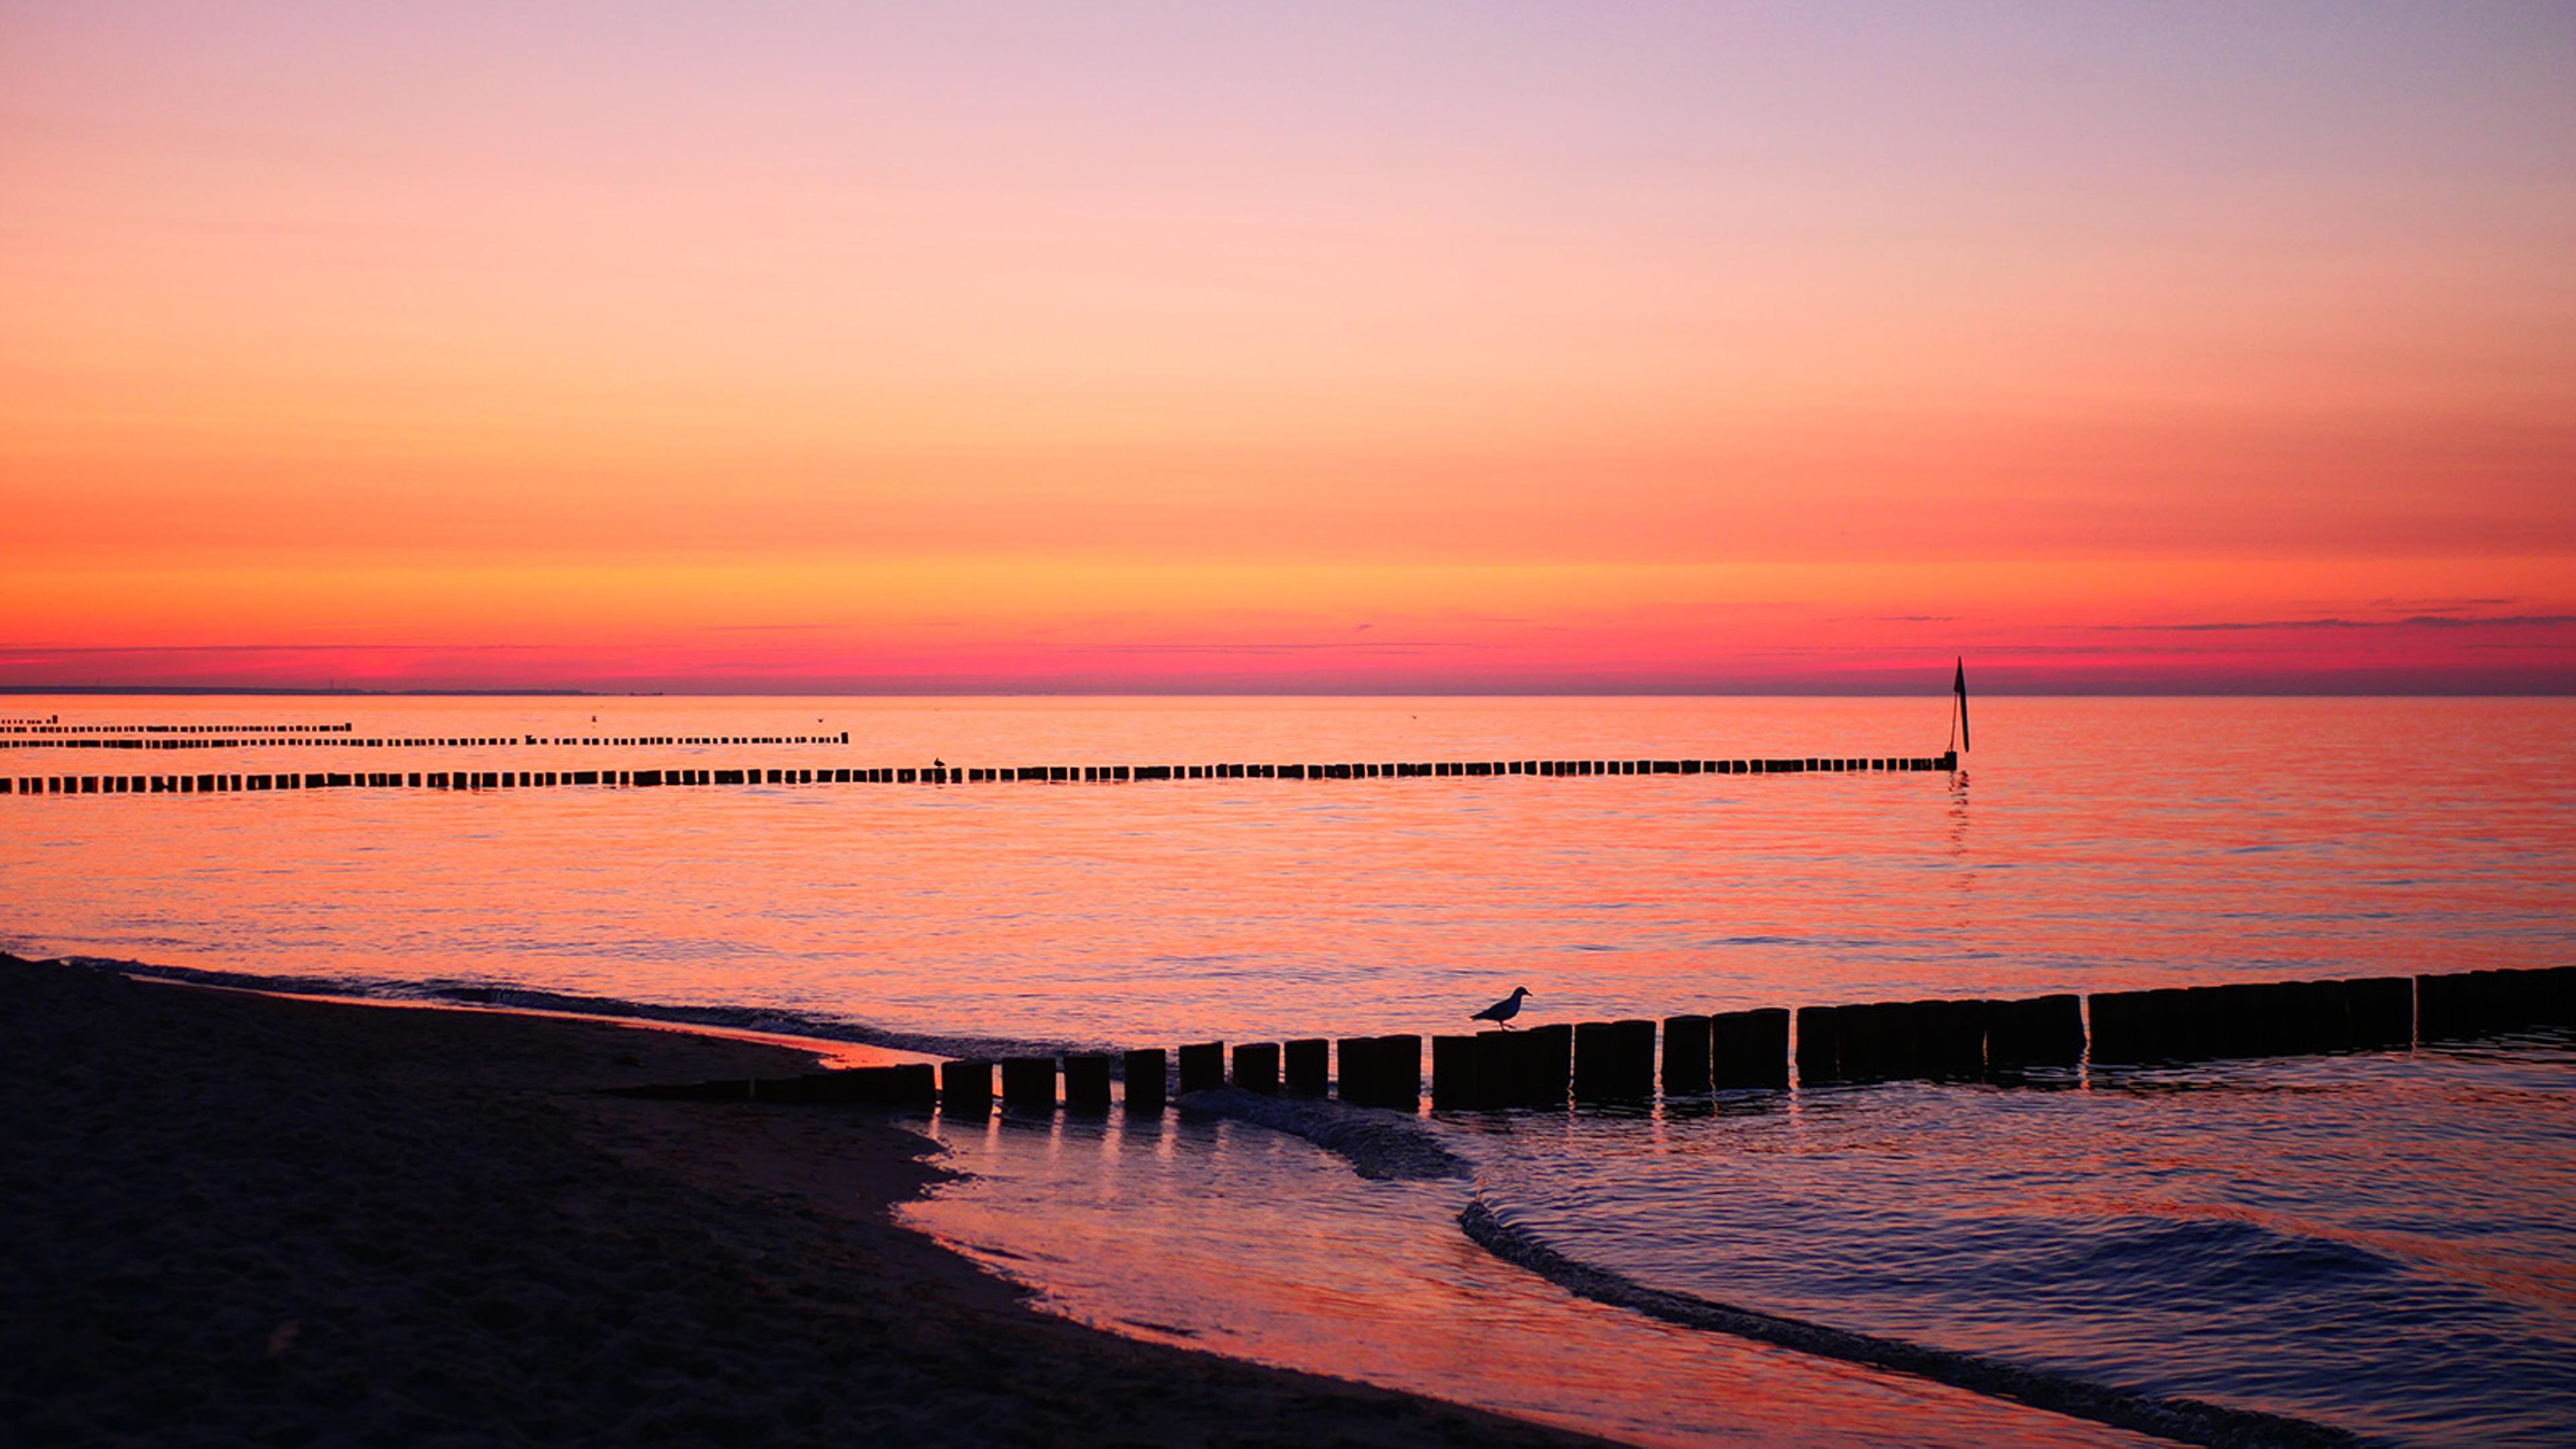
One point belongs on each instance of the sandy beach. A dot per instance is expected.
(234, 1218)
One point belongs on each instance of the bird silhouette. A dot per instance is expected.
(1502, 1012)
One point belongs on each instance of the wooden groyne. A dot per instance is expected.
(223, 737)
(55, 729)
(1558, 1065)
(214, 782)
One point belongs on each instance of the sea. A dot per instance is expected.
(2366, 1247)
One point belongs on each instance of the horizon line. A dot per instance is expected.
(533, 692)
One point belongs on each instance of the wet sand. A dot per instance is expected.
(232, 1218)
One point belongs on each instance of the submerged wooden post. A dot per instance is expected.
(1202, 1067)
(1256, 1067)
(966, 1086)
(1146, 1087)
(1453, 1072)
(1749, 1048)
(1086, 1082)
(1686, 1056)
(1307, 1066)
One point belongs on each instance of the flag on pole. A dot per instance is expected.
(1959, 687)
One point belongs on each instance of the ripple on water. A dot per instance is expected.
(2373, 1242)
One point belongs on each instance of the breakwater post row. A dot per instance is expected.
(325, 738)
(214, 783)
(57, 728)
(1553, 1066)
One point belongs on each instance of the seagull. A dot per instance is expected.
(1502, 1012)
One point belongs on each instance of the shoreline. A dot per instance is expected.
(250, 1217)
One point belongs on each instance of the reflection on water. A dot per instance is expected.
(2376, 1242)
(1239, 1240)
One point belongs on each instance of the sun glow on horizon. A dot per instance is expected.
(1288, 348)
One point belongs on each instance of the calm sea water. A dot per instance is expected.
(2375, 1243)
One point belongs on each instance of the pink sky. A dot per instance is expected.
(1288, 347)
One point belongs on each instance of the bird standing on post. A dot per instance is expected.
(1502, 1012)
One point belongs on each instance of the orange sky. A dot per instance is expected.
(1298, 347)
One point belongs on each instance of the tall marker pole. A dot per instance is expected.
(1959, 713)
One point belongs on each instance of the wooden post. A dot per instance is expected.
(966, 1086)
(1308, 1066)
(1256, 1068)
(1594, 1072)
(1861, 1053)
(1029, 1083)
(1495, 1060)
(1202, 1067)
(2045, 1031)
(1542, 1066)
(1086, 1083)
(1146, 1084)
(1399, 1073)
(2319, 1016)
(1357, 1074)
(2131, 1026)
(2448, 1004)
(1686, 1056)
(1633, 1049)
(2242, 1019)
(2383, 1012)
(1453, 1072)
(1819, 1045)
(1749, 1049)
(1950, 1040)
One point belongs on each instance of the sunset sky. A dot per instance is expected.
(1298, 347)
